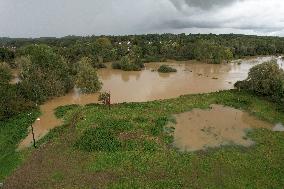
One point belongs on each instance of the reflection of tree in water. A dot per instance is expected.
(165, 75)
(209, 69)
(107, 74)
(125, 75)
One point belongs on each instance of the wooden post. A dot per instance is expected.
(109, 101)
(33, 136)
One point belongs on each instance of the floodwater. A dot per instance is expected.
(215, 127)
(148, 84)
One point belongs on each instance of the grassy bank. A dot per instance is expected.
(130, 147)
(12, 131)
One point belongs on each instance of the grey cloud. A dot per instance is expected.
(36, 18)
(179, 24)
(203, 4)
(183, 24)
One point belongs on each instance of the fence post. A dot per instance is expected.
(33, 136)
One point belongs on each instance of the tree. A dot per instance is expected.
(266, 79)
(128, 64)
(87, 79)
(44, 73)
(11, 102)
(103, 50)
(228, 55)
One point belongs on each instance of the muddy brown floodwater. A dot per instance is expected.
(211, 128)
(146, 85)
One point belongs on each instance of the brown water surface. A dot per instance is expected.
(211, 128)
(146, 85)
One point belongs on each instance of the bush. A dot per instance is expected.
(166, 69)
(266, 79)
(127, 64)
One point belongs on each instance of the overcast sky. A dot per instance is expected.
(42, 18)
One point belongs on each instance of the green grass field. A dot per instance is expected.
(130, 146)
(12, 132)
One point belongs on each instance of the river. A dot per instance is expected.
(148, 84)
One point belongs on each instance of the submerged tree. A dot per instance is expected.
(86, 78)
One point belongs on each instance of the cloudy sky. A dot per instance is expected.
(42, 18)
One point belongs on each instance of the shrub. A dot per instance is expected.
(127, 64)
(266, 79)
(104, 97)
(166, 69)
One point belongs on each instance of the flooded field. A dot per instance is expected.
(148, 84)
(202, 129)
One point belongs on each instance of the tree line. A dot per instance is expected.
(154, 47)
